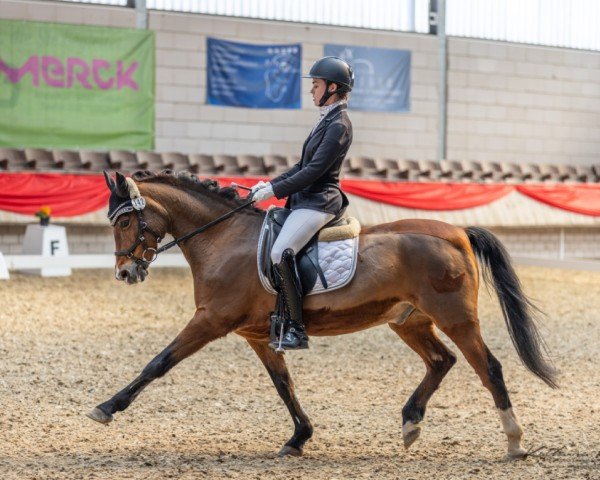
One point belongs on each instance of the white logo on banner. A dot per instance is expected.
(280, 69)
(364, 70)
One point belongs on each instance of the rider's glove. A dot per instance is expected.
(260, 185)
(264, 193)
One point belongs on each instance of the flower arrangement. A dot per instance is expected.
(44, 215)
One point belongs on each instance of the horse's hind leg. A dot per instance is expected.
(197, 333)
(467, 337)
(275, 365)
(419, 334)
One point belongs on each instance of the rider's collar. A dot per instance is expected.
(325, 109)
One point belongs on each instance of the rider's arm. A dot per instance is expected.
(335, 140)
(289, 173)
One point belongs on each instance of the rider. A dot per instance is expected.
(312, 186)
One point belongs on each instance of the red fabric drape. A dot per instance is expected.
(66, 195)
(424, 196)
(427, 196)
(584, 199)
(70, 195)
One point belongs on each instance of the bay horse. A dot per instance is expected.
(414, 275)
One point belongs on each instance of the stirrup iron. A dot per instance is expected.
(280, 350)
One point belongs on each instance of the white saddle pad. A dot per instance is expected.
(337, 260)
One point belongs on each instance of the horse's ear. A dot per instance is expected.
(110, 183)
(122, 189)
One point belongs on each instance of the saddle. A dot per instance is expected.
(334, 246)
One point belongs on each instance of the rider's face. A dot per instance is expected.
(318, 89)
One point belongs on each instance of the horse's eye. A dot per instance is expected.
(124, 223)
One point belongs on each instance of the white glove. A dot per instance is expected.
(260, 185)
(264, 193)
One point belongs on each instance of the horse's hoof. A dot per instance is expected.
(520, 454)
(287, 450)
(100, 416)
(410, 433)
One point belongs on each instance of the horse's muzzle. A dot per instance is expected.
(131, 273)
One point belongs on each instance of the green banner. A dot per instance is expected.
(76, 86)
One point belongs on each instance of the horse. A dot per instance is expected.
(416, 276)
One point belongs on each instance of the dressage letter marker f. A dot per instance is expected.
(54, 245)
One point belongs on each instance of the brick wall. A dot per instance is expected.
(11, 239)
(81, 239)
(185, 123)
(547, 242)
(523, 103)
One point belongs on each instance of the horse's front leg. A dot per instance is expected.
(201, 330)
(275, 365)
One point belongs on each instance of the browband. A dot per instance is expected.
(136, 202)
(125, 207)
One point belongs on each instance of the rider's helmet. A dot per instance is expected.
(333, 70)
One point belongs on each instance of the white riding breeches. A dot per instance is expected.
(297, 230)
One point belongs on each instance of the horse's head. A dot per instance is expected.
(136, 241)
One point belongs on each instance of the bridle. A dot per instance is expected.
(138, 204)
(149, 254)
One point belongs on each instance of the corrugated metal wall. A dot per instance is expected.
(559, 23)
(377, 14)
(118, 3)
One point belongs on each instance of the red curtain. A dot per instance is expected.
(584, 199)
(70, 195)
(427, 196)
(66, 195)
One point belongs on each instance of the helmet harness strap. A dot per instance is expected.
(327, 93)
(339, 90)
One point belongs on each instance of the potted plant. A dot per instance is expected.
(44, 215)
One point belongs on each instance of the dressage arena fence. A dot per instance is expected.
(28, 262)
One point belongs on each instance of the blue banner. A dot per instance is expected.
(253, 76)
(381, 77)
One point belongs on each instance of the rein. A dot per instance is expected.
(201, 229)
(153, 253)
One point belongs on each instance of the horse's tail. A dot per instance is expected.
(516, 307)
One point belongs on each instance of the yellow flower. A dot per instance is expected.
(44, 212)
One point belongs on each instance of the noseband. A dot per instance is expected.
(149, 254)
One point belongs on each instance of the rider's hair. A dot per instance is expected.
(342, 95)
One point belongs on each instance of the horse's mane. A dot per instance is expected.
(202, 189)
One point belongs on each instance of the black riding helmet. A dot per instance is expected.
(332, 70)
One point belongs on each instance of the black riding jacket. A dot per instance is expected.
(314, 182)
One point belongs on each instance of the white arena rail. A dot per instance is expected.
(25, 262)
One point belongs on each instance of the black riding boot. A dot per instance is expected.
(289, 286)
